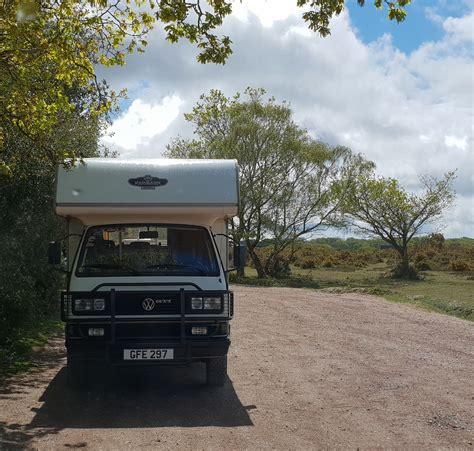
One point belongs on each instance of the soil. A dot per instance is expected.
(307, 370)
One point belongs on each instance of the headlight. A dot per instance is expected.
(206, 303)
(99, 304)
(83, 304)
(196, 303)
(87, 305)
(212, 303)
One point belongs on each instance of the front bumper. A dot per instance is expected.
(147, 331)
(184, 353)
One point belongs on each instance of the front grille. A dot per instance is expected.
(141, 330)
(162, 330)
(130, 303)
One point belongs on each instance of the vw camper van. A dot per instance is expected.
(147, 260)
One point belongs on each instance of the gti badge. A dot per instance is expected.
(147, 182)
(148, 304)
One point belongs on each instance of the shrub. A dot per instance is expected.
(398, 273)
(460, 265)
(277, 266)
(424, 265)
(306, 262)
(28, 285)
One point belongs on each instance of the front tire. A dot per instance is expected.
(216, 371)
(78, 373)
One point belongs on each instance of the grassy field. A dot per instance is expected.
(441, 291)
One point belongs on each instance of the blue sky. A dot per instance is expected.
(402, 94)
(372, 23)
(419, 26)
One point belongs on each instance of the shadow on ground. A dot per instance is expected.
(157, 397)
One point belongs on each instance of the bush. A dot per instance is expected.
(460, 265)
(398, 272)
(306, 262)
(276, 266)
(279, 268)
(424, 265)
(28, 285)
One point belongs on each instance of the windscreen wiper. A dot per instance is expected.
(109, 266)
(176, 266)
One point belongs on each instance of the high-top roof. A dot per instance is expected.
(104, 186)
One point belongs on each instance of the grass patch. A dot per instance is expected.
(446, 292)
(291, 282)
(15, 353)
(454, 307)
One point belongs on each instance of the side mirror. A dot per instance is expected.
(54, 253)
(240, 255)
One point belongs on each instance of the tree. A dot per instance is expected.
(49, 47)
(381, 207)
(291, 184)
(48, 52)
(27, 223)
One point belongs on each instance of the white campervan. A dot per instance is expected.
(147, 257)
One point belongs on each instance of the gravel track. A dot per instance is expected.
(307, 370)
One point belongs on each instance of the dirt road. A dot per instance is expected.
(307, 370)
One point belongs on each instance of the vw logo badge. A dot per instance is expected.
(148, 304)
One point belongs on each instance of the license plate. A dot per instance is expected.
(148, 354)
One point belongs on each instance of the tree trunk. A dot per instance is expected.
(405, 264)
(404, 269)
(261, 273)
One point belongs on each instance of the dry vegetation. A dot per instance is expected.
(445, 268)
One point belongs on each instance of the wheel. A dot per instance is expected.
(77, 372)
(216, 371)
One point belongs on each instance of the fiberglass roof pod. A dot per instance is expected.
(105, 187)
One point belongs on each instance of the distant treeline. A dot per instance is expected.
(356, 244)
(433, 252)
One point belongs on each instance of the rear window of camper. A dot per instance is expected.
(147, 250)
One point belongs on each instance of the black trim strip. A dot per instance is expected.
(112, 315)
(183, 319)
(147, 284)
(63, 303)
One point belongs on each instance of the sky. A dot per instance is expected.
(401, 94)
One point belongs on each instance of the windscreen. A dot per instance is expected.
(147, 250)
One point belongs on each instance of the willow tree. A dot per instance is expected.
(291, 184)
(382, 208)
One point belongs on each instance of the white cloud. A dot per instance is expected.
(298, 30)
(411, 114)
(461, 27)
(142, 121)
(453, 141)
(459, 220)
(266, 11)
